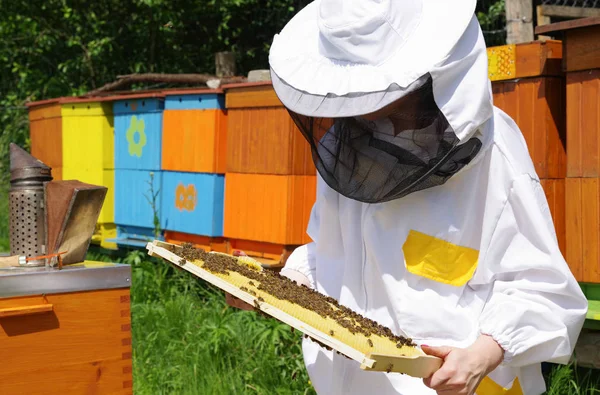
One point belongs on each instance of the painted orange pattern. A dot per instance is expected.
(186, 197)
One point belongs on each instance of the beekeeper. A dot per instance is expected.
(429, 217)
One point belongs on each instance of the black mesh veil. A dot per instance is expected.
(411, 148)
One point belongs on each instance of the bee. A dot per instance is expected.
(370, 342)
(256, 304)
(331, 332)
(260, 299)
(251, 283)
(251, 292)
(389, 368)
(244, 289)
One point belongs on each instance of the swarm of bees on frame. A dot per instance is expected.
(283, 288)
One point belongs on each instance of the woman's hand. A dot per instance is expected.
(463, 368)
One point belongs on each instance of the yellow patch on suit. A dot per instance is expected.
(439, 260)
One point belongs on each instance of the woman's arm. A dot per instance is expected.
(536, 308)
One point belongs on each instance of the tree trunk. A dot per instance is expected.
(519, 21)
(225, 64)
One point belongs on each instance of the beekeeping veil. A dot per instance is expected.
(390, 94)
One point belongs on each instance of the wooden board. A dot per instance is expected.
(265, 140)
(581, 42)
(253, 95)
(83, 345)
(194, 140)
(537, 105)
(555, 195)
(583, 124)
(384, 356)
(583, 228)
(582, 49)
(532, 59)
(45, 131)
(282, 221)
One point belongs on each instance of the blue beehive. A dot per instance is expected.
(138, 133)
(193, 203)
(132, 191)
(210, 101)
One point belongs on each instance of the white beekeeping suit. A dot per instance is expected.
(444, 263)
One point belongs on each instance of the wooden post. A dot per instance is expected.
(542, 19)
(519, 21)
(225, 64)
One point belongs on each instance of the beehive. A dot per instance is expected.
(261, 136)
(376, 352)
(88, 135)
(193, 203)
(66, 335)
(529, 86)
(138, 132)
(555, 195)
(583, 228)
(194, 132)
(583, 123)
(133, 194)
(581, 63)
(45, 132)
(268, 208)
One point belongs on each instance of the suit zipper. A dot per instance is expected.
(364, 255)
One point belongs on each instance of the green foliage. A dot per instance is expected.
(568, 380)
(492, 18)
(61, 48)
(153, 202)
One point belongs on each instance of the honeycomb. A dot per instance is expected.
(324, 317)
(501, 62)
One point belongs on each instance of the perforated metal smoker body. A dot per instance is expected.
(27, 205)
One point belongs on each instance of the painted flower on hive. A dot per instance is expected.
(136, 131)
(185, 197)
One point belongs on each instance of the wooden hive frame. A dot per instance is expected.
(407, 360)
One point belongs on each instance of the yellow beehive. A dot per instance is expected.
(88, 155)
(88, 135)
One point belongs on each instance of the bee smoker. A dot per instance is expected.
(27, 205)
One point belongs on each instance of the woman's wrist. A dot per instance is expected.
(489, 350)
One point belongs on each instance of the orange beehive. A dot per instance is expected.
(583, 123)
(45, 129)
(555, 194)
(268, 208)
(262, 138)
(583, 228)
(194, 132)
(62, 335)
(581, 63)
(532, 93)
